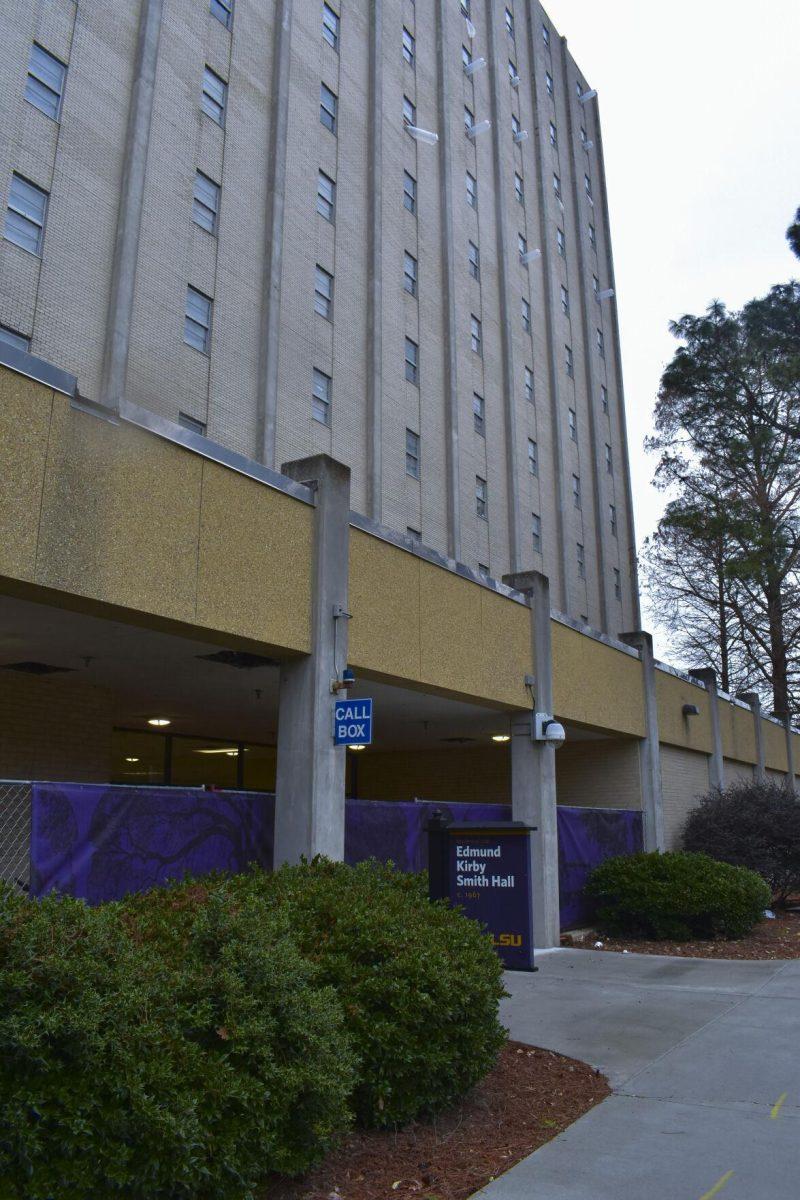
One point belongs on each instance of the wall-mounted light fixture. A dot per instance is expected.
(690, 710)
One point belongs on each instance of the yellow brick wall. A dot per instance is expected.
(599, 774)
(54, 728)
(684, 777)
(479, 774)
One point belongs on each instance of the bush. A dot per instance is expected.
(677, 896)
(125, 1072)
(751, 824)
(419, 983)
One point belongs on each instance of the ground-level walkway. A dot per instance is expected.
(704, 1060)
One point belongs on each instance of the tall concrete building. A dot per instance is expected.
(373, 230)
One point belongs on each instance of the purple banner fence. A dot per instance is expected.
(99, 842)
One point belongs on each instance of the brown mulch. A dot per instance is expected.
(529, 1097)
(778, 939)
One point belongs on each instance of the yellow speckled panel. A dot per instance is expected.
(774, 737)
(255, 560)
(507, 651)
(450, 631)
(738, 733)
(384, 634)
(673, 728)
(595, 684)
(25, 408)
(119, 515)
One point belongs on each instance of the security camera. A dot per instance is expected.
(549, 731)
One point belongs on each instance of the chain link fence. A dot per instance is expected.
(15, 834)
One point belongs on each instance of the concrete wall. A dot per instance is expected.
(54, 728)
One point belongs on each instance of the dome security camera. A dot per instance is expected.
(549, 731)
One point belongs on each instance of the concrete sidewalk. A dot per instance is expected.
(703, 1056)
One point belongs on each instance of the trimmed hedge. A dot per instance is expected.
(751, 824)
(676, 895)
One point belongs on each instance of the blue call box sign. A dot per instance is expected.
(352, 723)
(490, 878)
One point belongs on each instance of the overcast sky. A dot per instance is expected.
(700, 110)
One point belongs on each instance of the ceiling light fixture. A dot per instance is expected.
(501, 737)
(356, 747)
(159, 722)
(131, 759)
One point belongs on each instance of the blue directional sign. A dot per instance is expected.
(352, 723)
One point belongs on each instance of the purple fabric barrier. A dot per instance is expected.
(392, 829)
(586, 837)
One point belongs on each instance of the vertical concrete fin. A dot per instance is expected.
(375, 269)
(716, 770)
(754, 700)
(117, 338)
(652, 797)
(267, 397)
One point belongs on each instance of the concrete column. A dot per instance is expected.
(131, 202)
(754, 700)
(787, 723)
(309, 807)
(533, 766)
(375, 269)
(275, 193)
(716, 769)
(652, 798)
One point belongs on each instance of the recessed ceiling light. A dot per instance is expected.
(356, 747)
(159, 721)
(230, 751)
(131, 760)
(501, 737)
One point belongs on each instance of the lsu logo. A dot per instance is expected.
(508, 939)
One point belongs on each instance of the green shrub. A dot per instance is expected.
(677, 896)
(126, 1072)
(419, 983)
(751, 824)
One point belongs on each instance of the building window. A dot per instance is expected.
(553, 135)
(587, 183)
(526, 315)
(223, 11)
(323, 292)
(466, 56)
(472, 191)
(564, 300)
(412, 454)
(592, 237)
(326, 197)
(548, 80)
(512, 73)
(328, 104)
(617, 584)
(25, 217)
(330, 26)
(604, 397)
(409, 273)
(483, 570)
(522, 244)
(573, 425)
(214, 97)
(576, 490)
(412, 361)
(409, 47)
(609, 460)
(321, 397)
(205, 205)
(536, 532)
(197, 320)
(478, 414)
(469, 118)
(584, 138)
(561, 243)
(529, 384)
(533, 457)
(481, 497)
(414, 534)
(595, 284)
(409, 112)
(515, 125)
(509, 22)
(568, 361)
(9, 337)
(192, 423)
(44, 86)
(601, 343)
(557, 186)
(409, 192)
(581, 556)
(474, 261)
(612, 516)
(475, 335)
(546, 36)
(519, 187)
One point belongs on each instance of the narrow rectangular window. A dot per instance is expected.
(17, 341)
(474, 261)
(564, 300)
(557, 186)
(223, 11)
(466, 56)
(44, 86)
(604, 397)
(536, 532)
(568, 361)
(410, 273)
(612, 517)
(584, 138)
(548, 80)
(412, 454)
(533, 457)
(526, 315)
(472, 191)
(522, 244)
(323, 292)
(191, 423)
(469, 118)
(581, 556)
(321, 397)
(519, 187)
(409, 112)
(409, 47)
(512, 73)
(601, 343)
(328, 105)
(412, 361)
(197, 320)
(592, 237)
(576, 490)
(546, 36)
(483, 570)
(609, 460)
(509, 22)
(326, 197)
(617, 584)
(587, 183)
(414, 534)
(515, 125)
(561, 243)
(481, 497)
(529, 384)
(214, 97)
(205, 205)
(26, 214)
(573, 425)
(330, 26)
(409, 192)
(595, 284)
(553, 135)
(478, 414)
(476, 336)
